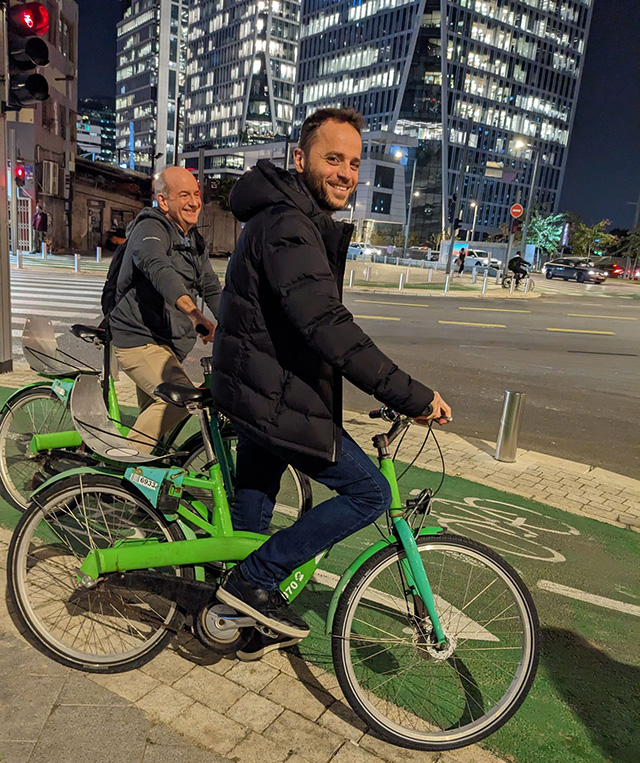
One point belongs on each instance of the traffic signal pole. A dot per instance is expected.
(6, 360)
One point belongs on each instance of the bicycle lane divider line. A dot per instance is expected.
(590, 598)
(470, 629)
(582, 331)
(466, 323)
(610, 317)
(494, 309)
(377, 317)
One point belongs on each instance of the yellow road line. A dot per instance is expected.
(377, 317)
(485, 325)
(376, 302)
(611, 317)
(494, 309)
(582, 331)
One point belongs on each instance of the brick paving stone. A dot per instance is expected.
(297, 696)
(306, 738)
(256, 748)
(167, 667)
(213, 690)
(252, 675)
(79, 690)
(164, 703)
(132, 685)
(341, 719)
(393, 754)
(255, 711)
(16, 752)
(209, 729)
(161, 754)
(352, 753)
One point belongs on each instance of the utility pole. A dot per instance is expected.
(458, 195)
(6, 360)
(527, 215)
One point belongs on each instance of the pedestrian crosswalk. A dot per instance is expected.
(61, 262)
(63, 298)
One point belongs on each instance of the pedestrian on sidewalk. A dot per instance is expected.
(153, 324)
(40, 225)
(284, 342)
(460, 261)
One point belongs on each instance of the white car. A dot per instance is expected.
(479, 259)
(357, 249)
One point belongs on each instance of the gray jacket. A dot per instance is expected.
(160, 265)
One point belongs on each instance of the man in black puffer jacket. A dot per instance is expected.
(283, 344)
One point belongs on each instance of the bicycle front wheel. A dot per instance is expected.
(111, 626)
(412, 692)
(37, 410)
(506, 282)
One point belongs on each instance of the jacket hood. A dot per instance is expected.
(266, 185)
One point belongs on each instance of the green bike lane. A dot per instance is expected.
(584, 704)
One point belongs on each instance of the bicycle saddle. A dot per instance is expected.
(88, 333)
(181, 394)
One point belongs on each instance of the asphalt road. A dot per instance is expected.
(573, 352)
(575, 358)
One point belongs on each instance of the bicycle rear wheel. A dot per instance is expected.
(37, 410)
(389, 668)
(106, 628)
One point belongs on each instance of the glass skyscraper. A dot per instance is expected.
(487, 87)
(150, 72)
(241, 67)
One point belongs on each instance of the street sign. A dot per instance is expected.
(516, 211)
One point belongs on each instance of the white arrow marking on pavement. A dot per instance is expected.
(599, 601)
(451, 618)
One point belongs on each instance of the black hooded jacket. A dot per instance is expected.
(284, 339)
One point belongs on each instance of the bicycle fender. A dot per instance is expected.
(349, 573)
(7, 403)
(73, 472)
(357, 563)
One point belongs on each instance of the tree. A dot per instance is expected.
(220, 194)
(546, 232)
(585, 239)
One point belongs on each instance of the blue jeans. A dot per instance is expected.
(363, 491)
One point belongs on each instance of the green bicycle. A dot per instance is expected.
(38, 439)
(434, 637)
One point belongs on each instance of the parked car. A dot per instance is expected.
(476, 258)
(570, 267)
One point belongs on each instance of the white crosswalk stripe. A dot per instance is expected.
(63, 298)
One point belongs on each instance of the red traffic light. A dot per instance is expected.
(28, 19)
(20, 175)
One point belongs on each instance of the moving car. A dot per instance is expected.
(476, 258)
(571, 267)
(357, 249)
(619, 267)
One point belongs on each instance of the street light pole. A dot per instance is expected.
(527, 217)
(413, 182)
(475, 206)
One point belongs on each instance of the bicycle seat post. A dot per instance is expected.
(197, 409)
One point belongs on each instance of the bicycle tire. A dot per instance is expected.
(506, 282)
(45, 413)
(395, 686)
(294, 499)
(121, 628)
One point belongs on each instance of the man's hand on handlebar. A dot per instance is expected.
(440, 412)
(206, 329)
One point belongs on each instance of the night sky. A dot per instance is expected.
(603, 169)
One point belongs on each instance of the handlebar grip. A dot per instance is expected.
(377, 414)
(202, 329)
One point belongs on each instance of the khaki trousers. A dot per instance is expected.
(148, 366)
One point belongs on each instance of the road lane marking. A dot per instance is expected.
(484, 325)
(377, 317)
(599, 601)
(611, 317)
(494, 309)
(583, 331)
(376, 302)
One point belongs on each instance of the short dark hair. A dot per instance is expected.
(319, 117)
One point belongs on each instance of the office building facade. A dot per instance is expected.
(241, 66)
(96, 129)
(150, 70)
(477, 83)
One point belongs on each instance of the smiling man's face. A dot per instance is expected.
(331, 164)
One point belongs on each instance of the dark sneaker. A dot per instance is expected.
(260, 644)
(267, 607)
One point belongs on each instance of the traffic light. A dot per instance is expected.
(19, 175)
(452, 206)
(26, 25)
(457, 224)
(515, 226)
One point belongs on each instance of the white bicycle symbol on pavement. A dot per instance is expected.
(508, 528)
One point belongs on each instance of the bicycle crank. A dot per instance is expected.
(222, 629)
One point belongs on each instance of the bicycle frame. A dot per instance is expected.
(165, 488)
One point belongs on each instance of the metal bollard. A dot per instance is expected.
(484, 281)
(513, 285)
(98, 254)
(43, 250)
(474, 274)
(422, 264)
(498, 274)
(429, 275)
(446, 283)
(400, 284)
(397, 260)
(76, 262)
(385, 259)
(367, 273)
(406, 280)
(507, 445)
(351, 279)
(527, 281)
(18, 260)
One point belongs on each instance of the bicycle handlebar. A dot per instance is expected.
(202, 329)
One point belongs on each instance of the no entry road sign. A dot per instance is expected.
(516, 210)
